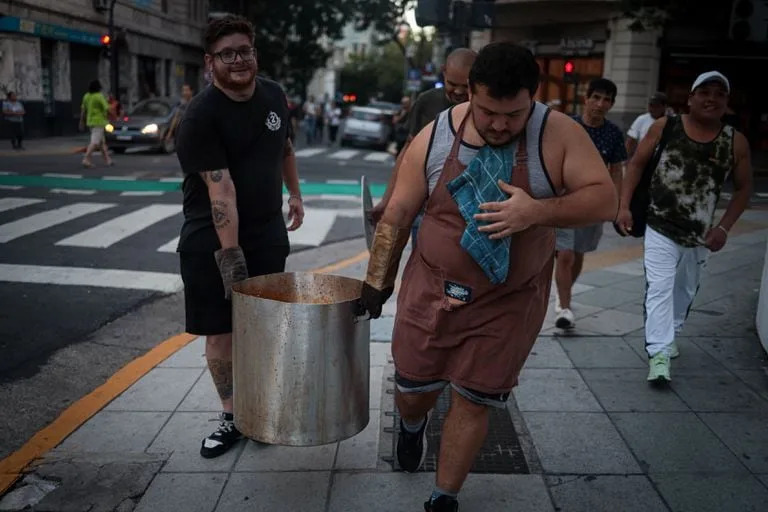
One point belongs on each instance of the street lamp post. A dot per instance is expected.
(113, 71)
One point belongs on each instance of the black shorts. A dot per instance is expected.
(207, 311)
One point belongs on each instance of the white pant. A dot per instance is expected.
(672, 274)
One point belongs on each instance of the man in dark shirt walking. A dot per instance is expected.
(572, 243)
(426, 108)
(234, 149)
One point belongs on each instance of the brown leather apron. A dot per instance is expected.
(481, 344)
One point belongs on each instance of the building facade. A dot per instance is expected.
(50, 50)
(593, 36)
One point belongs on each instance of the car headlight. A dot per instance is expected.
(109, 128)
(150, 129)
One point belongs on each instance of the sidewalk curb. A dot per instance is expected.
(12, 467)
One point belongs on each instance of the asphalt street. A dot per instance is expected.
(81, 247)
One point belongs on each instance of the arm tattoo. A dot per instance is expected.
(288, 151)
(221, 372)
(216, 175)
(219, 213)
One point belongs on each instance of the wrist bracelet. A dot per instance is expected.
(294, 196)
(724, 230)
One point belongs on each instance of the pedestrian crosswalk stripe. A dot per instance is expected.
(10, 187)
(342, 182)
(303, 153)
(76, 276)
(112, 231)
(172, 180)
(73, 191)
(10, 203)
(316, 229)
(43, 220)
(6, 173)
(170, 246)
(119, 178)
(142, 193)
(379, 156)
(344, 154)
(59, 175)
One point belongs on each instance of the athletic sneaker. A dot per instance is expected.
(565, 319)
(442, 504)
(673, 350)
(223, 439)
(412, 447)
(658, 368)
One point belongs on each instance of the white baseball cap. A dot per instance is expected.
(711, 76)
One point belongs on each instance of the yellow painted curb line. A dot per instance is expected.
(13, 466)
(78, 413)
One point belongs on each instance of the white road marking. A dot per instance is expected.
(112, 231)
(104, 278)
(172, 180)
(317, 224)
(10, 203)
(43, 220)
(342, 182)
(7, 173)
(11, 187)
(119, 178)
(72, 191)
(378, 156)
(344, 154)
(142, 193)
(170, 246)
(762, 194)
(59, 175)
(303, 153)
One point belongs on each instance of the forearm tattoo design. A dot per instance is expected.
(219, 213)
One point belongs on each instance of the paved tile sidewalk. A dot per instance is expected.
(602, 438)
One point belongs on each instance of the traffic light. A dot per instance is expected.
(749, 21)
(569, 75)
(106, 46)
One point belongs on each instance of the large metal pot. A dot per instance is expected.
(300, 359)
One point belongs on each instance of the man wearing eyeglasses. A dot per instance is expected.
(234, 148)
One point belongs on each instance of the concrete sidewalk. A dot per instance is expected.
(598, 437)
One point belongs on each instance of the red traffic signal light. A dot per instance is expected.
(105, 39)
(569, 67)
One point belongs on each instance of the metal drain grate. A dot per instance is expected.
(501, 453)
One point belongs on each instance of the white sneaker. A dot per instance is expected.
(673, 350)
(565, 319)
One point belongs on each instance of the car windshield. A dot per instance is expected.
(362, 115)
(152, 108)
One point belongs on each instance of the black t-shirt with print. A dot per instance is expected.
(248, 138)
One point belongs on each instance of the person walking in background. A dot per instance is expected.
(401, 123)
(186, 96)
(334, 120)
(94, 113)
(310, 119)
(657, 107)
(13, 111)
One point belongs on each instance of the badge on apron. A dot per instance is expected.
(458, 291)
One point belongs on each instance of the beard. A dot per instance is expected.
(494, 138)
(235, 76)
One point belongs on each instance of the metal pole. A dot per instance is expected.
(113, 51)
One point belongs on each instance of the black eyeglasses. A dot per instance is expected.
(229, 56)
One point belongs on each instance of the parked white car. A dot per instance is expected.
(366, 126)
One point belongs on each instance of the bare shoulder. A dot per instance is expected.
(740, 142)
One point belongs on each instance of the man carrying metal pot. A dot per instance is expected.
(497, 174)
(234, 148)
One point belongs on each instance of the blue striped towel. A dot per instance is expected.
(476, 185)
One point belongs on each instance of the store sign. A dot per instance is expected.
(35, 28)
(582, 46)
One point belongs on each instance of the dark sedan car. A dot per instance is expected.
(144, 126)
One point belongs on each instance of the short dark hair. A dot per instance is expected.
(505, 68)
(602, 85)
(227, 26)
(94, 86)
